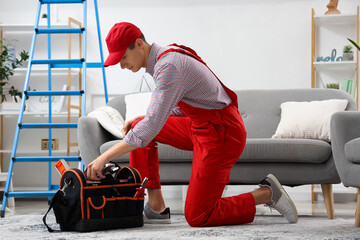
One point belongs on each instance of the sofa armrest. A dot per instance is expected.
(344, 127)
(91, 135)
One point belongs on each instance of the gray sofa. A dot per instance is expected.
(293, 161)
(346, 147)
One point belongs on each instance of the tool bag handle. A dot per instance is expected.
(58, 197)
(130, 174)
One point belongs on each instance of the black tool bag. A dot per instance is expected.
(109, 204)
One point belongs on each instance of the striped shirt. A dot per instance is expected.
(177, 77)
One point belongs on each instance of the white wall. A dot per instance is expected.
(248, 44)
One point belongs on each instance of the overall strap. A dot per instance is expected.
(181, 49)
(190, 52)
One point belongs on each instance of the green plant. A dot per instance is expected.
(7, 67)
(347, 49)
(332, 85)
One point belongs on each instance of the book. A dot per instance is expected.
(353, 89)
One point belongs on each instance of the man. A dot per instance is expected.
(192, 110)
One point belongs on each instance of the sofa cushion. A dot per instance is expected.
(166, 153)
(352, 152)
(286, 150)
(256, 150)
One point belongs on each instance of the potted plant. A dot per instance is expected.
(348, 53)
(8, 63)
(332, 85)
(43, 20)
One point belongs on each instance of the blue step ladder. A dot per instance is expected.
(52, 63)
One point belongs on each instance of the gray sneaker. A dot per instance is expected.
(151, 216)
(280, 200)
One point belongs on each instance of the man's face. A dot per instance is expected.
(133, 59)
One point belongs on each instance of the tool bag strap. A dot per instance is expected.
(129, 173)
(58, 197)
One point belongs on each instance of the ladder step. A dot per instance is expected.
(46, 158)
(48, 125)
(61, 1)
(57, 61)
(76, 64)
(58, 30)
(54, 93)
(94, 65)
(31, 194)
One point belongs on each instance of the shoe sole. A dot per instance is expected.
(282, 190)
(156, 221)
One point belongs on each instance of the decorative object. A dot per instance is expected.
(348, 53)
(331, 58)
(332, 6)
(308, 119)
(332, 85)
(349, 86)
(8, 63)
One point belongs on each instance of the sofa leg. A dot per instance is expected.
(357, 214)
(329, 199)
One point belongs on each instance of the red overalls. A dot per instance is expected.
(217, 138)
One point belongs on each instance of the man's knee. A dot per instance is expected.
(193, 219)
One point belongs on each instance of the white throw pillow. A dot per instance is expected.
(308, 119)
(137, 104)
(110, 119)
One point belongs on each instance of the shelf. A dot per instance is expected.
(60, 152)
(44, 71)
(43, 114)
(335, 19)
(26, 28)
(345, 65)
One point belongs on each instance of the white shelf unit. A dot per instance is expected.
(25, 31)
(347, 68)
(335, 24)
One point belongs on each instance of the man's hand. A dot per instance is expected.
(94, 169)
(126, 128)
(127, 125)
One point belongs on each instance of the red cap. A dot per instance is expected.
(120, 36)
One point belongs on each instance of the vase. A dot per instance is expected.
(348, 57)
